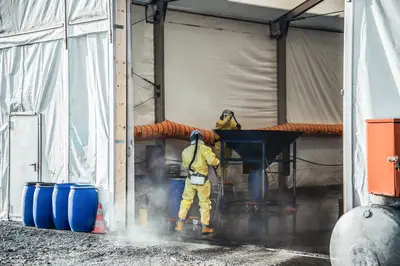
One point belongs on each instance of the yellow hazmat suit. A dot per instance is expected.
(204, 157)
(226, 123)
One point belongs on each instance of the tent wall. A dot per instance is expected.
(373, 85)
(69, 87)
(314, 83)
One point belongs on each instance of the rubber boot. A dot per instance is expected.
(207, 230)
(179, 225)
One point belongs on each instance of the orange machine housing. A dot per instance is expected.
(383, 145)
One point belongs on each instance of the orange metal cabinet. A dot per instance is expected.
(383, 147)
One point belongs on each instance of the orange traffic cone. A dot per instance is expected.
(100, 225)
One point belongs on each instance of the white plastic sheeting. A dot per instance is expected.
(314, 83)
(89, 108)
(376, 78)
(19, 16)
(70, 89)
(314, 76)
(86, 10)
(214, 64)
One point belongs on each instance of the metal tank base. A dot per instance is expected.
(368, 235)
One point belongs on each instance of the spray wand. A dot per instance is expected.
(220, 192)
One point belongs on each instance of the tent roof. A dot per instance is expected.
(267, 10)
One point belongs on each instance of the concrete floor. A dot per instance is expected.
(316, 216)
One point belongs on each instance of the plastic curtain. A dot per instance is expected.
(314, 82)
(376, 79)
(32, 63)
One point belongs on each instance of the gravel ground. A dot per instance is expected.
(30, 246)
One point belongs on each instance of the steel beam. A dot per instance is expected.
(284, 165)
(279, 27)
(159, 76)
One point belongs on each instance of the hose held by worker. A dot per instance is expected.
(196, 158)
(227, 121)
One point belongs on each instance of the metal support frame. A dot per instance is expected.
(280, 26)
(159, 8)
(262, 162)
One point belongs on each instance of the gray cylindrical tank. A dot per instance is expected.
(367, 235)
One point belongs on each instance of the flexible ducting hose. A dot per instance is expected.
(168, 129)
(310, 129)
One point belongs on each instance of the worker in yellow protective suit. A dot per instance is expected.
(196, 158)
(227, 121)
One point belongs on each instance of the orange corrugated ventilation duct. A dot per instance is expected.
(168, 129)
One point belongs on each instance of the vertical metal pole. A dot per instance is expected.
(263, 171)
(9, 167)
(264, 208)
(40, 171)
(294, 178)
(131, 121)
(284, 165)
(222, 162)
(112, 107)
(159, 64)
(348, 108)
(66, 94)
(65, 25)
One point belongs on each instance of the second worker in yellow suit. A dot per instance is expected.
(196, 158)
(225, 122)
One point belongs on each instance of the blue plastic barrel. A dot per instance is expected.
(60, 205)
(42, 207)
(175, 190)
(255, 185)
(27, 203)
(82, 208)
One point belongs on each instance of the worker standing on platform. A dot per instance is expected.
(196, 158)
(227, 121)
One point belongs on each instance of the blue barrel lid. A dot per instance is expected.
(83, 187)
(29, 184)
(83, 184)
(44, 184)
(64, 185)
